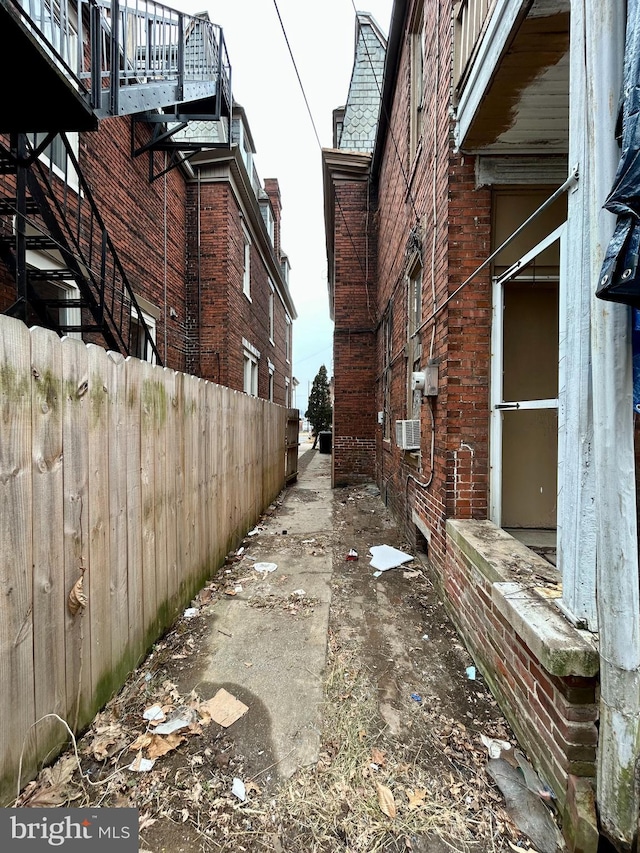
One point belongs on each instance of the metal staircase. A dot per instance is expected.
(68, 275)
(91, 60)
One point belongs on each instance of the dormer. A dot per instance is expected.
(241, 136)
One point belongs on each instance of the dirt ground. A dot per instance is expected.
(401, 765)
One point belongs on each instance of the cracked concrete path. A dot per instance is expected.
(267, 643)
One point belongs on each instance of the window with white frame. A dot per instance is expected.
(272, 371)
(387, 356)
(61, 291)
(271, 312)
(139, 344)
(418, 36)
(60, 314)
(285, 267)
(241, 138)
(267, 215)
(246, 263)
(55, 156)
(287, 339)
(251, 358)
(287, 392)
(414, 344)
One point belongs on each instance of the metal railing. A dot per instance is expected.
(70, 224)
(107, 46)
(470, 17)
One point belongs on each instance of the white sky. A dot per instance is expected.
(264, 82)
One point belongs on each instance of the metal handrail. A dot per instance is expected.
(113, 44)
(74, 224)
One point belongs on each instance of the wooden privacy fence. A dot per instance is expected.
(137, 480)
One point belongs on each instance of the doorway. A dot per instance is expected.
(525, 361)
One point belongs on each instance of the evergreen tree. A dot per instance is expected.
(319, 413)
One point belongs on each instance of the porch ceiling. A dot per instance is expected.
(523, 105)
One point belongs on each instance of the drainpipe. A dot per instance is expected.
(618, 596)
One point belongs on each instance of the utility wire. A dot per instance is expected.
(304, 94)
(388, 117)
(315, 130)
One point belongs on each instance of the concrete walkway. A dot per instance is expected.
(266, 644)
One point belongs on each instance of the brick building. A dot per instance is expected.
(479, 380)
(144, 226)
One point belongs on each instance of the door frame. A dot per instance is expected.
(496, 402)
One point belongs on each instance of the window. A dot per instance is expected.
(62, 317)
(241, 138)
(55, 290)
(272, 371)
(246, 264)
(55, 156)
(418, 37)
(267, 215)
(387, 332)
(287, 392)
(287, 339)
(271, 310)
(250, 365)
(250, 375)
(284, 268)
(139, 346)
(414, 344)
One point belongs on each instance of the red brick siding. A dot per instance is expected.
(451, 247)
(431, 204)
(226, 315)
(154, 227)
(354, 414)
(554, 718)
(136, 213)
(140, 217)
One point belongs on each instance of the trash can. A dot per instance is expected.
(324, 441)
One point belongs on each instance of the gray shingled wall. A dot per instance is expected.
(363, 102)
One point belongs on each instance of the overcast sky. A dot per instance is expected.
(264, 81)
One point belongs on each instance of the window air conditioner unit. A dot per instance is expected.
(408, 435)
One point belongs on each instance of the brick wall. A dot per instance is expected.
(553, 716)
(430, 213)
(225, 314)
(143, 219)
(182, 250)
(354, 414)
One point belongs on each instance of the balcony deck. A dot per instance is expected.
(511, 67)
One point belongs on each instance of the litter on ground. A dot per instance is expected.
(178, 720)
(526, 809)
(239, 790)
(384, 557)
(495, 747)
(224, 708)
(140, 764)
(265, 568)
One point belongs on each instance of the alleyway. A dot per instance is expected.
(359, 712)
